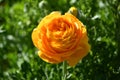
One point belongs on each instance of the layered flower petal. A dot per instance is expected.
(61, 38)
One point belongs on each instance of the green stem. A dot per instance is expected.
(64, 70)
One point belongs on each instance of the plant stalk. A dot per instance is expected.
(64, 70)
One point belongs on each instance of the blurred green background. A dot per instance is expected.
(18, 56)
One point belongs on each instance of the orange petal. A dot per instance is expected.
(35, 37)
(48, 18)
(47, 59)
(79, 54)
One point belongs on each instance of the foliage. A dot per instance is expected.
(18, 56)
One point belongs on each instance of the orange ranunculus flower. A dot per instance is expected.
(61, 38)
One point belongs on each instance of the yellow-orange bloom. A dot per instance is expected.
(61, 38)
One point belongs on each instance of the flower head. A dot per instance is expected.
(61, 38)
